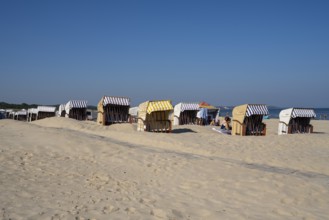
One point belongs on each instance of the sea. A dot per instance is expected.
(321, 113)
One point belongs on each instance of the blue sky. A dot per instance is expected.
(223, 52)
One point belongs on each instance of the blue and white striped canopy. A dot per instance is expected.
(116, 101)
(256, 110)
(303, 112)
(189, 106)
(78, 104)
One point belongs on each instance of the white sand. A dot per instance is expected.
(60, 168)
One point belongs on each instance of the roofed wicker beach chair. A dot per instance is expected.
(296, 120)
(185, 113)
(247, 120)
(76, 109)
(112, 109)
(154, 116)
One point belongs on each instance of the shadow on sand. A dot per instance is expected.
(317, 132)
(182, 130)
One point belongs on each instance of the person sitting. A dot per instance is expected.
(226, 124)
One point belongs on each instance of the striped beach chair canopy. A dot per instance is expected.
(77, 104)
(184, 106)
(189, 106)
(253, 109)
(116, 100)
(303, 112)
(154, 106)
(46, 109)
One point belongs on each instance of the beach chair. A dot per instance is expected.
(247, 120)
(112, 109)
(154, 116)
(76, 109)
(185, 113)
(296, 120)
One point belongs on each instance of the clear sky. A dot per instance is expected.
(230, 52)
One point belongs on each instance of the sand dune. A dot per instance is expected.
(59, 168)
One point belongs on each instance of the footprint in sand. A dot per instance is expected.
(109, 209)
(158, 213)
(99, 180)
(147, 202)
(177, 214)
(130, 210)
(57, 217)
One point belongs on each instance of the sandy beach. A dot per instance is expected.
(60, 168)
